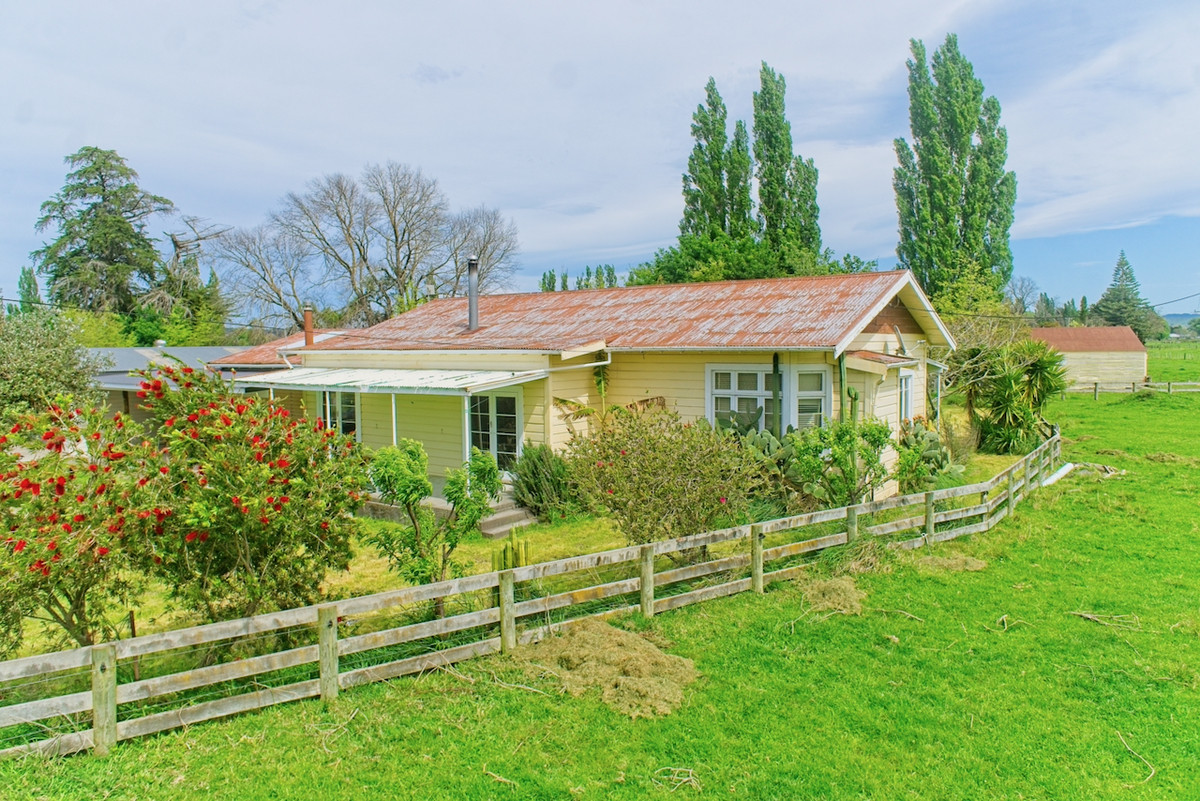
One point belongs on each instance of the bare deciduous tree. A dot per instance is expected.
(368, 248)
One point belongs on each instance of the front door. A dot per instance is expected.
(496, 427)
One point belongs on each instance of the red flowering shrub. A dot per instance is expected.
(256, 505)
(70, 490)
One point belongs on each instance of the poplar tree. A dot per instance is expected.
(787, 183)
(738, 169)
(705, 203)
(954, 197)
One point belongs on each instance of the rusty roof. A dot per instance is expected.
(267, 354)
(807, 313)
(1117, 338)
(886, 359)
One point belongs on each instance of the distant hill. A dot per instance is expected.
(1180, 319)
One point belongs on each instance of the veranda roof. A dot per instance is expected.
(391, 381)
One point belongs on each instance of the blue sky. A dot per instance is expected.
(574, 119)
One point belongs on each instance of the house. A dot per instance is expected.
(792, 347)
(121, 387)
(1103, 355)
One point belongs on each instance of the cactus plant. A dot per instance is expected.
(512, 553)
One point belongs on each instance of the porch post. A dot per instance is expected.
(466, 428)
(393, 419)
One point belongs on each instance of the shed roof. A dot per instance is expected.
(1109, 339)
(807, 313)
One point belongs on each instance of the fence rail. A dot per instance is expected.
(1169, 387)
(94, 697)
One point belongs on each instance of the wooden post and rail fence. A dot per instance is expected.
(70, 715)
(1169, 387)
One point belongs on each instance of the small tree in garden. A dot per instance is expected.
(840, 463)
(256, 506)
(423, 551)
(661, 478)
(1020, 379)
(72, 485)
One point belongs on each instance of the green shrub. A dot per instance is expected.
(840, 463)
(542, 484)
(423, 550)
(924, 462)
(660, 477)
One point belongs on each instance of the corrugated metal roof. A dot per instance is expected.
(125, 359)
(817, 312)
(267, 354)
(1119, 339)
(400, 382)
(886, 359)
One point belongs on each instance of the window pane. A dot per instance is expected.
(768, 410)
(721, 381)
(481, 424)
(747, 382)
(809, 412)
(747, 405)
(810, 382)
(770, 380)
(720, 403)
(506, 405)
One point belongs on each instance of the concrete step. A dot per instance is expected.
(498, 525)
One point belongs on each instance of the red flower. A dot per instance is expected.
(20, 546)
(170, 421)
(722, 500)
(101, 551)
(324, 524)
(191, 536)
(164, 470)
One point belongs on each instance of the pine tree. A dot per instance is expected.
(102, 252)
(1122, 303)
(954, 198)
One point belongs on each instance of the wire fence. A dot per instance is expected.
(95, 696)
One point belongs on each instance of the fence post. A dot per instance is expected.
(756, 557)
(851, 523)
(327, 650)
(104, 698)
(929, 522)
(1133, 387)
(508, 623)
(647, 583)
(1096, 391)
(1012, 493)
(1168, 387)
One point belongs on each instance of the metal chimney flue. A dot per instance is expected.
(472, 293)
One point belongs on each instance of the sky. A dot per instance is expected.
(574, 119)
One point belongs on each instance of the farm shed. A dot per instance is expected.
(774, 353)
(1102, 355)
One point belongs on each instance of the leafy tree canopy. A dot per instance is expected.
(41, 356)
(954, 197)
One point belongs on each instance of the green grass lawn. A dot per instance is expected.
(1173, 361)
(997, 692)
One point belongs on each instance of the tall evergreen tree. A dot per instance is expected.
(28, 296)
(705, 204)
(102, 251)
(787, 183)
(739, 168)
(1122, 304)
(954, 197)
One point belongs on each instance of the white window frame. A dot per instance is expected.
(825, 393)
(904, 396)
(788, 395)
(710, 390)
(519, 396)
(331, 411)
